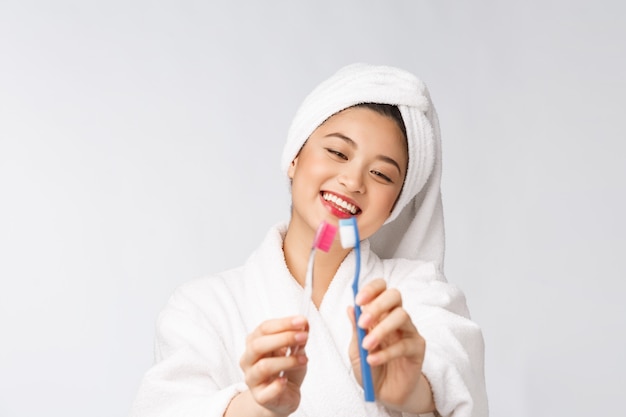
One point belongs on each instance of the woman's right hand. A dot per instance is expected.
(266, 356)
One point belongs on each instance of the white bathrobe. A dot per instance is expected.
(201, 336)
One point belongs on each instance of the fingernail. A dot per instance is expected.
(301, 337)
(359, 298)
(368, 342)
(364, 320)
(373, 359)
(298, 321)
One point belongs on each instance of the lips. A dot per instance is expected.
(339, 205)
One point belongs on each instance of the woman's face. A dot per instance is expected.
(352, 164)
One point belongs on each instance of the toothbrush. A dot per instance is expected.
(349, 234)
(323, 241)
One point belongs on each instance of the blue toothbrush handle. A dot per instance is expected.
(366, 371)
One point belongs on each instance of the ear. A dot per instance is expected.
(292, 167)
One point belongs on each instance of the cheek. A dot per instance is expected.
(306, 176)
(390, 200)
(311, 166)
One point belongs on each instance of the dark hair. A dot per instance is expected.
(388, 110)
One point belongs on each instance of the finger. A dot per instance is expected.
(265, 394)
(353, 348)
(370, 291)
(397, 324)
(280, 325)
(379, 307)
(352, 318)
(412, 348)
(258, 347)
(268, 368)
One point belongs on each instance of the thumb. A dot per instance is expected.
(353, 349)
(352, 318)
(354, 343)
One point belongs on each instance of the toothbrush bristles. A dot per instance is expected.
(324, 236)
(347, 232)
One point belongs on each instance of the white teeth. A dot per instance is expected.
(341, 203)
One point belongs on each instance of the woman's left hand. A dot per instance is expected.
(396, 349)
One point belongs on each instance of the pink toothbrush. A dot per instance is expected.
(323, 241)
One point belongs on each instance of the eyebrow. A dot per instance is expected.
(352, 143)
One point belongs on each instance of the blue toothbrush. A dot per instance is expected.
(349, 234)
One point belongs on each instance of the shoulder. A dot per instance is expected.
(209, 293)
(211, 284)
(221, 287)
(401, 268)
(423, 282)
(208, 297)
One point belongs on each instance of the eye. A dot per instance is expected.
(336, 154)
(381, 176)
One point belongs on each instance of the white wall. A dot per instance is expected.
(139, 148)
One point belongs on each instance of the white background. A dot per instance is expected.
(140, 144)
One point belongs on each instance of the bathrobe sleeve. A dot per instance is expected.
(454, 360)
(195, 372)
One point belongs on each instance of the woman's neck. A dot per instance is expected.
(297, 248)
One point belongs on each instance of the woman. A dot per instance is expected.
(364, 143)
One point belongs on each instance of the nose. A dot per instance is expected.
(351, 177)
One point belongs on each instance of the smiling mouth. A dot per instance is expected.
(341, 204)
